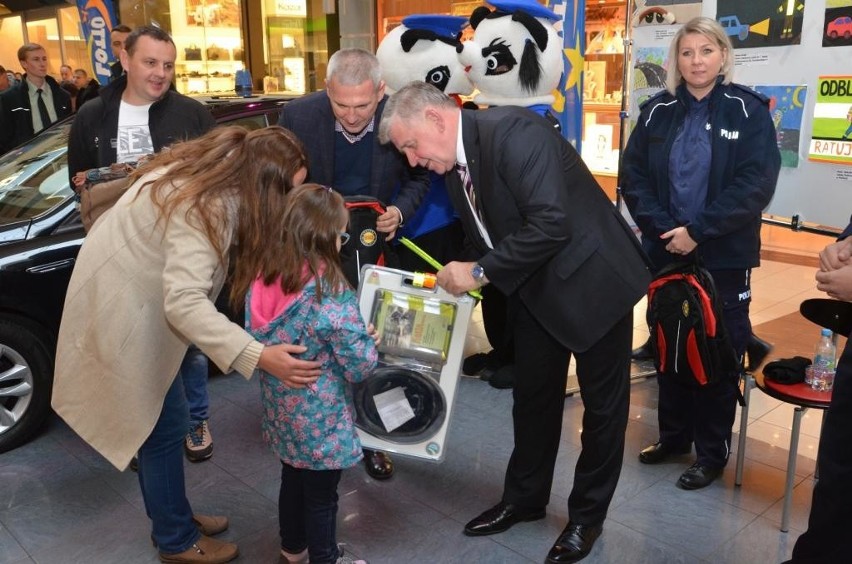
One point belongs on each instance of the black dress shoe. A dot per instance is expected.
(575, 543)
(698, 476)
(757, 350)
(659, 452)
(475, 363)
(500, 518)
(503, 378)
(379, 465)
(644, 352)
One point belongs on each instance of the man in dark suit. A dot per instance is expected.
(337, 127)
(88, 88)
(34, 104)
(118, 35)
(550, 240)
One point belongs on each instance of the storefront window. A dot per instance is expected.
(296, 46)
(136, 13)
(12, 32)
(207, 35)
(209, 44)
(45, 32)
(73, 42)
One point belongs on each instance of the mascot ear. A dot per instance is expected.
(478, 15)
(411, 36)
(530, 69)
(534, 27)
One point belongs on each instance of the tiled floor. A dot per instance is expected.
(61, 503)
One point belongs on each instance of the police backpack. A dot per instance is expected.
(365, 245)
(688, 337)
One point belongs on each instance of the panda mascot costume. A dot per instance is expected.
(425, 48)
(515, 56)
(514, 59)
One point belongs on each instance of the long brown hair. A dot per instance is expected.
(312, 222)
(232, 170)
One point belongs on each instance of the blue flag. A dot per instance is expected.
(568, 107)
(97, 18)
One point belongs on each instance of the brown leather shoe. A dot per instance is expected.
(210, 525)
(205, 549)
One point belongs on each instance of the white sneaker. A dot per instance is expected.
(343, 559)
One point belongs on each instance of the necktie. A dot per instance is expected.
(42, 110)
(467, 182)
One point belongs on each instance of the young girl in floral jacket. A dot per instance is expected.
(305, 299)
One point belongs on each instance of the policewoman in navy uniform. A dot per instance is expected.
(698, 169)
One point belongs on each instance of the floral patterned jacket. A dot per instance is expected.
(313, 427)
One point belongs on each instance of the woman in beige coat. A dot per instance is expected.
(143, 288)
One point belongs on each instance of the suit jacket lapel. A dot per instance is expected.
(377, 166)
(456, 191)
(322, 171)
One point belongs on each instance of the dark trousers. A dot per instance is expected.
(495, 321)
(539, 398)
(706, 415)
(307, 512)
(827, 539)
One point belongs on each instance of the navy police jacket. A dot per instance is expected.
(743, 173)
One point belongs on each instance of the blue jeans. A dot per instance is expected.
(193, 370)
(161, 475)
(307, 512)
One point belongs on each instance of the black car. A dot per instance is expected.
(40, 236)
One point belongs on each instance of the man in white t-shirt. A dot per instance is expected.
(139, 113)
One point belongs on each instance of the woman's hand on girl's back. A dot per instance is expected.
(371, 331)
(293, 372)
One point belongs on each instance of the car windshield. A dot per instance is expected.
(34, 177)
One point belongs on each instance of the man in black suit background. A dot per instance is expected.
(338, 129)
(550, 240)
(118, 35)
(35, 103)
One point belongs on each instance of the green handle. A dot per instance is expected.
(412, 246)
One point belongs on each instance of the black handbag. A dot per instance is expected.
(192, 53)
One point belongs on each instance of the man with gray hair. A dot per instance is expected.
(549, 239)
(338, 128)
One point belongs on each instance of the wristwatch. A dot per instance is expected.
(478, 274)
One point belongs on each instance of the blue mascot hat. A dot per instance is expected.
(531, 7)
(444, 26)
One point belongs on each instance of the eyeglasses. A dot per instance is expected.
(344, 238)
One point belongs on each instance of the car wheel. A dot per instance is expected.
(833, 35)
(26, 381)
(743, 33)
(846, 35)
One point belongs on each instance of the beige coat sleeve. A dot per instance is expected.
(192, 269)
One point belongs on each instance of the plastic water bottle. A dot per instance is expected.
(824, 362)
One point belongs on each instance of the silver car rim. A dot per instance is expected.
(16, 388)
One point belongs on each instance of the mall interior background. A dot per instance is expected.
(285, 44)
